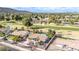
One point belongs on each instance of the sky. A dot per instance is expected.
(49, 9)
(39, 3)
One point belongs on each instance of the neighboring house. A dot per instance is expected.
(71, 16)
(67, 16)
(45, 20)
(74, 16)
(76, 23)
(34, 20)
(40, 20)
(20, 33)
(65, 23)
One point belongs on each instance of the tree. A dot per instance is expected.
(27, 22)
(2, 17)
(18, 17)
(51, 33)
(7, 19)
(13, 17)
(1, 26)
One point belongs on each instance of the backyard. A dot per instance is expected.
(65, 31)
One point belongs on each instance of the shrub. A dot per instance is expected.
(22, 28)
(27, 22)
(50, 33)
(1, 26)
(15, 28)
(2, 34)
(14, 38)
(41, 43)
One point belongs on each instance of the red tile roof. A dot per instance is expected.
(40, 36)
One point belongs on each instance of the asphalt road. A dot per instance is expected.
(14, 47)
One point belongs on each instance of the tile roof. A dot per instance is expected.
(20, 33)
(40, 36)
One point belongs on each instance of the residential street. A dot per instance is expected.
(13, 46)
(19, 47)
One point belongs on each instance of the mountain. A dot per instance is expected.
(49, 9)
(39, 10)
(10, 10)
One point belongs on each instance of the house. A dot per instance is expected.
(40, 20)
(76, 23)
(40, 37)
(45, 20)
(20, 33)
(37, 39)
(34, 20)
(67, 16)
(65, 23)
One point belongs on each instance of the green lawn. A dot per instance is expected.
(12, 37)
(74, 28)
(18, 24)
(2, 34)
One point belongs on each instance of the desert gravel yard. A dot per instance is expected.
(71, 44)
(69, 34)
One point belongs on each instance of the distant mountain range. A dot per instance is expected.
(39, 10)
(49, 9)
(10, 10)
